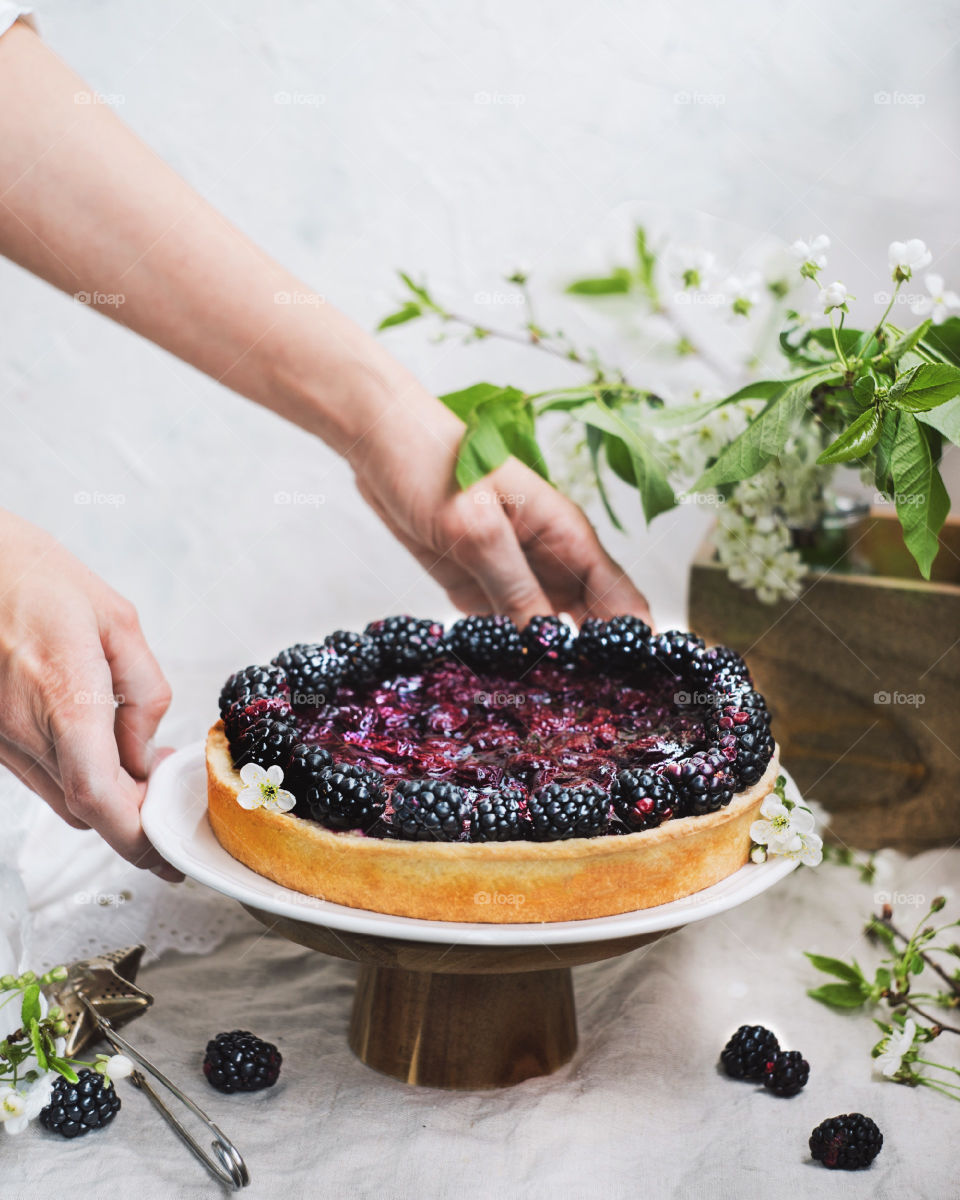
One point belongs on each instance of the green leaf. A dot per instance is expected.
(944, 340)
(884, 451)
(765, 437)
(882, 933)
(838, 995)
(617, 283)
(921, 499)
(945, 418)
(62, 1067)
(882, 979)
(646, 264)
(464, 402)
(482, 449)
(864, 389)
(595, 440)
(906, 342)
(836, 966)
(410, 311)
(30, 1005)
(925, 387)
(856, 440)
(39, 1049)
(516, 426)
(656, 494)
(418, 289)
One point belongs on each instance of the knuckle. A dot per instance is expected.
(124, 616)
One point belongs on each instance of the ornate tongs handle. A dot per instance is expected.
(226, 1163)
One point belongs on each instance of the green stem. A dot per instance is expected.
(886, 313)
(836, 342)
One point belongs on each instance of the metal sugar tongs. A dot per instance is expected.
(98, 995)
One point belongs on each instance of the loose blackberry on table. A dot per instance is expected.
(747, 1053)
(787, 1073)
(849, 1142)
(77, 1108)
(241, 1062)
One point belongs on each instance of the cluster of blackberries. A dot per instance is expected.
(849, 1142)
(260, 707)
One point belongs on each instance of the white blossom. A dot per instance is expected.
(19, 1106)
(693, 266)
(939, 302)
(758, 855)
(781, 829)
(896, 1046)
(811, 254)
(119, 1066)
(742, 293)
(833, 296)
(263, 789)
(906, 257)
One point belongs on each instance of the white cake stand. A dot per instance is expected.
(438, 1003)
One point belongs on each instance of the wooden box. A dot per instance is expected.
(862, 674)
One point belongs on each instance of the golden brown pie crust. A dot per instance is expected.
(493, 882)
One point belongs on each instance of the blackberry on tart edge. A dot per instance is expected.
(250, 684)
(313, 673)
(487, 643)
(347, 796)
(360, 653)
(614, 645)
(266, 742)
(428, 810)
(644, 799)
(558, 812)
(406, 642)
(499, 816)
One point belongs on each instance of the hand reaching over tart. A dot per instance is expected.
(420, 772)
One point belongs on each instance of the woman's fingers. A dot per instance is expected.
(33, 774)
(141, 690)
(97, 789)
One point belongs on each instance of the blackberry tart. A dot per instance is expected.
(418, 772)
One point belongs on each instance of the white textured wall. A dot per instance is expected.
(400, 166)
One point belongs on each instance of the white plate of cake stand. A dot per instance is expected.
(437, 1003)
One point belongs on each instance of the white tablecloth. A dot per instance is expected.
(642, 1110)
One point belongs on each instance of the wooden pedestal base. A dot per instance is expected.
(457, 1016)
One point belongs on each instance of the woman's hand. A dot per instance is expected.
(81, 693)
(511, 543)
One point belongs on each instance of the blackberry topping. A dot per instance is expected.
(303, 774)
(548, 640)
(313, 672)
(717, 669)
(498, 817)
(558, 812)
(360, 653)
(265, 742)
(644, 799)
(705, 782)
(487, 644)
(846, 1143)
(406, 642)
(239, 718)
(250, 684)
(426, 810)
(76, 1108)
(346, 796)
(240, 1062)
(787, 1073)
(676, 651)
(614, 645)
(743, 736)
(747, 1053)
